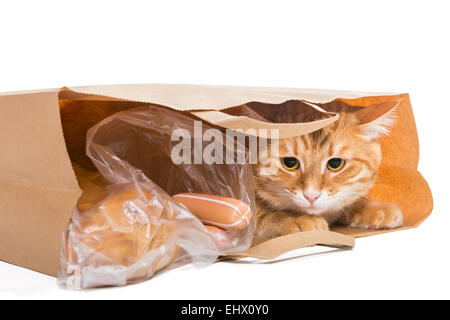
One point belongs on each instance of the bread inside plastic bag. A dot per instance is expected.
(134, 228)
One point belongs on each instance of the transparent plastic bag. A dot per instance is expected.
(133, 232)
(137, 228)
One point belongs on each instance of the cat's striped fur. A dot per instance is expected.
(342, 196)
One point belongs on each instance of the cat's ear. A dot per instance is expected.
(378, 120)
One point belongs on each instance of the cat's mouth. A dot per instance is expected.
(321, 205)
(308, 208)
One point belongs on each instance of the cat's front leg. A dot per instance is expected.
(312, 223)
(371, 214)
(273, 226)
(274, 223)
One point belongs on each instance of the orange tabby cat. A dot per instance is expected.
(321, 178)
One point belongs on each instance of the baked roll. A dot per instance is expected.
(126, 237)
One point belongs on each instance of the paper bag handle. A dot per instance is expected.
(273, 248)
(284, 130)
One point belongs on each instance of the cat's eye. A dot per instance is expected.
(335, 164)
(290, 163)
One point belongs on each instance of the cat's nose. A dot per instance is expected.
(311, 196)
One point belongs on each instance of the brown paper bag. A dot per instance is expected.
(38, 187)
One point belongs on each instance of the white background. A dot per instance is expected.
(397, 46)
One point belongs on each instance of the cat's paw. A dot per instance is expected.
(312, 223)
(377, 216)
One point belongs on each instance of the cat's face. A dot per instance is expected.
(324, 171)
